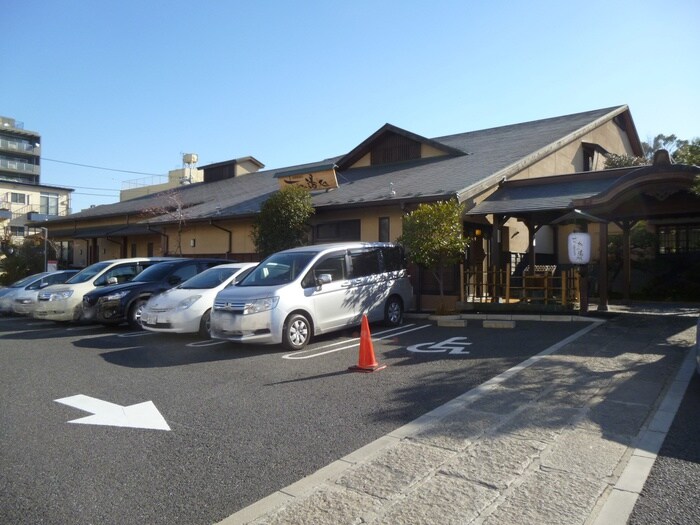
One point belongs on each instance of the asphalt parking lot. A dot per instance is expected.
(212, 426)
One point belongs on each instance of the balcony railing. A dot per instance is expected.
(20, 167)
(19, 147)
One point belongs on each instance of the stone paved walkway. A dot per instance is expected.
(566, 437)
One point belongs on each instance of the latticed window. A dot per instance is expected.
(682, 238)
(394, 148)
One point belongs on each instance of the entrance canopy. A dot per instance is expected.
(660, 193)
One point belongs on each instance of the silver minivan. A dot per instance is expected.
(295, 294)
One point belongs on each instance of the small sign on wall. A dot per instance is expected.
(319, 178)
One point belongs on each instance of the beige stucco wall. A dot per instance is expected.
(210, 239)
(427, 151)
(369, 220)
(569, 158)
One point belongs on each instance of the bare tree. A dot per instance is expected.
(171, 206)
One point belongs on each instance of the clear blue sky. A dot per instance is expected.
(131, 85)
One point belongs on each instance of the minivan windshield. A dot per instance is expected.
(88, 273)
(280, 268)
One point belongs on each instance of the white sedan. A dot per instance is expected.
(21, 297)
(187, 307)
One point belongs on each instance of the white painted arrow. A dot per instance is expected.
(141, 415)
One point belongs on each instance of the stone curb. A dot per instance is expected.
(620, 503)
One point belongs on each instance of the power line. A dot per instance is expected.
(99, 189)
(95, 194)
(101, 168)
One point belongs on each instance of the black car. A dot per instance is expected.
(124, 302)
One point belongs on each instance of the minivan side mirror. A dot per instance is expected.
(324, 278)
(112, 280)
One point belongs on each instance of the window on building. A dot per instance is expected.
(394, 148)
(681, 238)
(384, 229)
(593, 157)
(48, 203)
(18, 198)
(149, 249)
(133, 249)
(337, 231)
(17, 231)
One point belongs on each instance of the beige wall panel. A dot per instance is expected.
(242, 240)
(210, 239)
(80, 253)
(569, 158)
(369, 221)
(518, 240)
(363, 162)
(427, 151)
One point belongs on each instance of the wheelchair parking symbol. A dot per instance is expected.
(453, 345)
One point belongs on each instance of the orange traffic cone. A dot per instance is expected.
(367, 362)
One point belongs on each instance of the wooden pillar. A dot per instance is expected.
(495, 259)
(531, 231)
(495, 244)
(626, 261)
(603, 267)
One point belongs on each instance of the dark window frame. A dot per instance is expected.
(338, 231)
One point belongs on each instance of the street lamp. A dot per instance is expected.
(46, 235)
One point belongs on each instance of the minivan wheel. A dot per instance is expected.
(205, 324)
(135, 312)
(297, 332)
(393, 311)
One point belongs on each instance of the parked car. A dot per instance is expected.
(21, 296)
(124, 302)
(307, 291)
(64, 302)
(697, 346)
(187, 307)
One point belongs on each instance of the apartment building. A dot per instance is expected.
(22, 196)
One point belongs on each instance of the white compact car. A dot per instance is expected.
(21, 296)
(187, 307)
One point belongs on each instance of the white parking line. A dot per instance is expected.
(389, 333)
(200, 344)
(135, 334)
(81, 328)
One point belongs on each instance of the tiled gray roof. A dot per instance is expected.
(547, 193)
(485, 157)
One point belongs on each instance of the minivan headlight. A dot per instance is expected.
(58, 296)
(260, 305)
